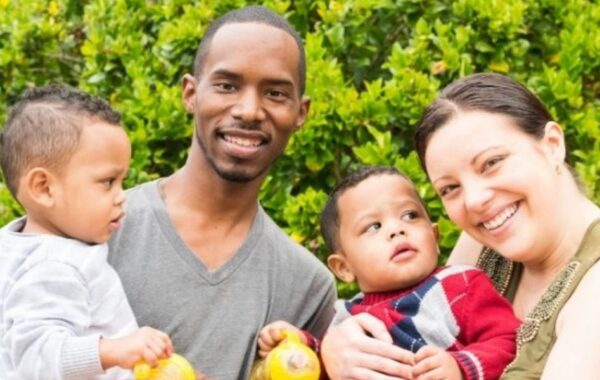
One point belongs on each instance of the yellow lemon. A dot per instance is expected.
(174, 368)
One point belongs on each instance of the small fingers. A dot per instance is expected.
(156, 345)
(425, 352)
(425, 366)
(438, 365)
(434, 374)
(385, 368)
(268, 338)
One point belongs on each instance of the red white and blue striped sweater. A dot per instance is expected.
(456, 308)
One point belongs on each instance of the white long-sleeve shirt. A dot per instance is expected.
(58, 296)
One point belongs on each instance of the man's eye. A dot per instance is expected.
(373, 227)
(225, 87)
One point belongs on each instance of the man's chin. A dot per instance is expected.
(239, 176)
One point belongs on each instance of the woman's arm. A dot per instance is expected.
(349, 353)
(575, 353)
(466, 251)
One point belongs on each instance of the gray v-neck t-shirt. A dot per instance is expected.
(213, 317)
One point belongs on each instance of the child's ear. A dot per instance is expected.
(436, 232)
(38, 186)
(339, 266)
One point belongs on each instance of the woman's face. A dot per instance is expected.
(498, 183)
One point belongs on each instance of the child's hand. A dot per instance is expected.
(432, 363)
(145, 344)
(271, 335)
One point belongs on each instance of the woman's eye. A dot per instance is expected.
(493, 161)
(373, 227)
(447, 190)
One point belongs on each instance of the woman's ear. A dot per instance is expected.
(554, 141)
(37, 186)
(339, 266)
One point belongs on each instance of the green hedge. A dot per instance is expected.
(372, 68)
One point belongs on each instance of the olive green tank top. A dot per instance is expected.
(537, 334)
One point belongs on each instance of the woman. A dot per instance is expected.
(497, 160)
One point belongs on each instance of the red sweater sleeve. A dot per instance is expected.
(315, 345)
(488, 331)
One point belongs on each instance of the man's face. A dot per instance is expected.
(246, 102)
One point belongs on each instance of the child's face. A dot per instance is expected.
(387, 240)
(88, 192)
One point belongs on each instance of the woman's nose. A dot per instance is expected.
(477, 196)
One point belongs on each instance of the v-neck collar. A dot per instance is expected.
(215, 276)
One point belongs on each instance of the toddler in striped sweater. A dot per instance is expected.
(63, 310)
(451, 318)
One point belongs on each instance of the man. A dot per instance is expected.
(198, 256)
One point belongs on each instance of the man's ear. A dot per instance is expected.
(554, 141)
(188, 92)
(38, 186)
(339, 266)
(304, 108)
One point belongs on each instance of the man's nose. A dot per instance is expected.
(249, 107)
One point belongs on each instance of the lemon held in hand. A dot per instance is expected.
(174, 368)
(290, 360)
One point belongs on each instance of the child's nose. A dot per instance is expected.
(399, 230)
(120, 198)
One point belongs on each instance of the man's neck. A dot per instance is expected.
(201, 190)
(213, 216)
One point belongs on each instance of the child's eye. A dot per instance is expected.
(276, 94)
(109, 182)
(410, 215)
(373, 227)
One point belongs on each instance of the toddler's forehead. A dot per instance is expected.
(376, 192)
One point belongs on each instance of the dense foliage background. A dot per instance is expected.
(372, 68)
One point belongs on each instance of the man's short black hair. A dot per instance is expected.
(251, 14)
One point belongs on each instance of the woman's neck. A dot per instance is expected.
(572, 222)
(574, 219)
